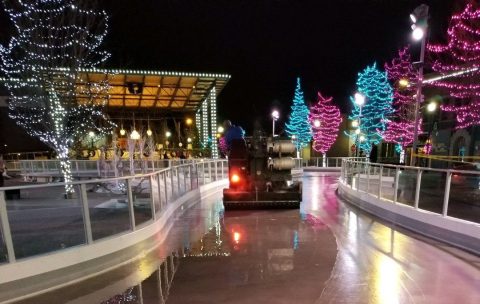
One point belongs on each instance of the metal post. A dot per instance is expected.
(152, 200)
(5, 224)
(210, 171)
(86, 214)
(395, 188)
(446, 198)
(419, 96)
(170, 170)
(130, 204)
(190, 176)
(417, 188)
(203, 172)
(165, 185)
(223, 175)
(185, 179)
(368, 177)
(380, 182)
(177, 169)
(159, 184)
(216, 168)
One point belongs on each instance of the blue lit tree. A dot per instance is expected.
(298, 126)
(372, 116)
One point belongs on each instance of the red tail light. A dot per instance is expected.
(235, 178)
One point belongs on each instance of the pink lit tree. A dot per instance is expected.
(458, 63)
(400, 126)
(325, 119)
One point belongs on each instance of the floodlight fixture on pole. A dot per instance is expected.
(420, 23)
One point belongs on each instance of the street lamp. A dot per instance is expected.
(188, 121)
(275, 117)
(220, 130)
(432, 106)
(359, 101)
(419, 18)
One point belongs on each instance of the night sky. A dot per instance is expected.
(265, 44)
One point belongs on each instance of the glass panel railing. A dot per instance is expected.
(154, 180)
(407, 182)
(35, 229)
(142, 199)
(388, 183)
(108, 208)
(464, 202)
(432, 191)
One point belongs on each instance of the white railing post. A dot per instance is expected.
(86, 214)
(380, 182)
(152, 199)
(7, 234)
(210, 171)
(203, 172)
(216, 172)
(446, 197)
(395, 188)
(223, 173)
(177, 169)
(171, 182)
(368, 177)
(417, 187)
(159, 184)
(166, 187)
(130, 204)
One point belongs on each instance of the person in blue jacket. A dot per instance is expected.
(232, 132)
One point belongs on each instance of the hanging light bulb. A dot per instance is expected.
(122, 131)
(135, 135)
(149, 132)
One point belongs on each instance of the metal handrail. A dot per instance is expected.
(170, 191)
(347, 172)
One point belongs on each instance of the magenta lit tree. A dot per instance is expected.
(400, 126)
(325, 120)
(458, 63)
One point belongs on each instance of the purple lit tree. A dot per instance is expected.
(400, 125)
(325, 120)
(460, 57)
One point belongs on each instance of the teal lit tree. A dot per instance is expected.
(298, 126)
(372, 115)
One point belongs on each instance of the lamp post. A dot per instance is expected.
(359, 101)
(420, 24)
(275, 117)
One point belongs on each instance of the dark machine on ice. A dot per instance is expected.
(260, 174)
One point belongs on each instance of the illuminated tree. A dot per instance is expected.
(325, 120)
(54, 41)
(298, 126)
(372, 116)
(400, 126)
(460, 57)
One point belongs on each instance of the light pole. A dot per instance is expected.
(359, 101)
(275, 117)
(419, 18)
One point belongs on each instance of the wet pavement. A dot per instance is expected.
(328, 252)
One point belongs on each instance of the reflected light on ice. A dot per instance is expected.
(386, 280)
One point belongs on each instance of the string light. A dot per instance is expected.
(460, 57)
(53, 42)
(213, 119)
(325, 120)
(298, 124)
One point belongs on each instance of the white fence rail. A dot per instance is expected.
(99, 208)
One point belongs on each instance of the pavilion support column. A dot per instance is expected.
(213, 120)
(205, 123)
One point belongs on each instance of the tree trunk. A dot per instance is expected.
(65, 167)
